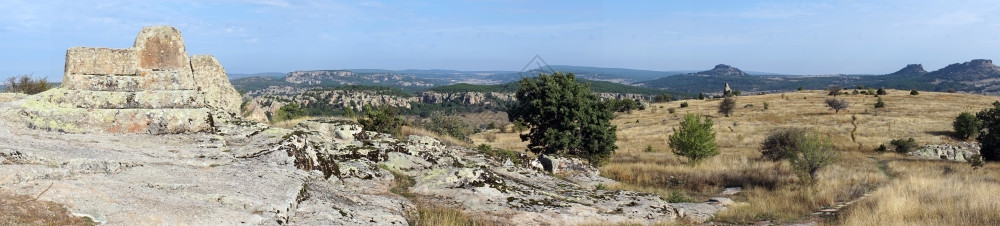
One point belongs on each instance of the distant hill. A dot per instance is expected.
(976, 76)
(595, 86)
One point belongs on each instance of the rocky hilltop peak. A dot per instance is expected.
(911, 69)
(972, 70)
(724, 70)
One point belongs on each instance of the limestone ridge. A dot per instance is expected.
(153, 87)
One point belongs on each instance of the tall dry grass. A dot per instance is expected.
(932, 193)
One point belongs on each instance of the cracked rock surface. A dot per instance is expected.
(319, 173)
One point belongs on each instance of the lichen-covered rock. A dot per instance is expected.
(959, 152)
(467, 180)
(214, 85)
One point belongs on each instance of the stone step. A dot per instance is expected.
(146, 80)
(125, 100)
(151, 121)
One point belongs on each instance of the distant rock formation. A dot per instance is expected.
(724, 70)
(153, 87)
(968, 71)
(911, 69)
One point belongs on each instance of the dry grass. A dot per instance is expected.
(445, 139)
(498, 139)
(932, 193)
(771, 189)
(26, 210)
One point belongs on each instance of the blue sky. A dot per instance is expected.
(247, 36)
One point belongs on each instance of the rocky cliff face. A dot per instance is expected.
(153, 87)
(472, 98)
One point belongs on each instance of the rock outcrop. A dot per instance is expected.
(911, 70)
(723, 70)
(153, 87)
(954, 152)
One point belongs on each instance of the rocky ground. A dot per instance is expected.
(321, 172)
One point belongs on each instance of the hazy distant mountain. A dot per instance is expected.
(976, 76)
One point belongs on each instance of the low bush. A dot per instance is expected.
(26, 84)
(904, 146)
(684, 104)
(914, 92)
(288, 112)
(382, 120)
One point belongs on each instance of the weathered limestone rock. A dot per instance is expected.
(149, 88)
(214, 84)
(954, 152)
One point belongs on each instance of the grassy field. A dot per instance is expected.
(771, 190)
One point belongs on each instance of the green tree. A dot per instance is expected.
(383, 120)
(726, 106)
(564, 117)
(989, 139)
(288, 112)
(349, 112)
(663, 98)
(694, 140)
(967, 126)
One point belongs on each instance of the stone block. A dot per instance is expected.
(213, 82)
(125, 100)
(161, 48)
(100, 61)
(147, 80)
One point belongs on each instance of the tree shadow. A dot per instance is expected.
(942, 133)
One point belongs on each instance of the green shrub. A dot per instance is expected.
(914, 92)
(871, 91)
(726, 106)
(671, 110)
(800, 88)
(449, 125)
(288, 112)
(383, 120)
(881, 148)
(684, 104)
(813, 152)
(879, 103)
(663, 98)
(26, 84)
(649, 148)
(781, 144)
(765, 105)
(694, 140)
(904, 146)
(880, 91)
(499, 154)
(564, 117)
(966, 126)
(678, 197)
(976, 161)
